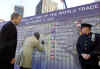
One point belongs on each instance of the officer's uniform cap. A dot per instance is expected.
(86, 25)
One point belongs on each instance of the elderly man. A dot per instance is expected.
(8, 42)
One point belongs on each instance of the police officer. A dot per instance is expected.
(85, 47)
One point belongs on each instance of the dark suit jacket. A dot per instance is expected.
(8, 42)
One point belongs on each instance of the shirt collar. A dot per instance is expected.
(13, 23)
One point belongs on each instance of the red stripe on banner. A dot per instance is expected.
(62, 0)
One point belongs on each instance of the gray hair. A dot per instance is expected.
(14, 15)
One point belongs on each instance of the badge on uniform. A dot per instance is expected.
(93, 37)
(99, 63)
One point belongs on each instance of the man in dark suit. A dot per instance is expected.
(85, 48)
(8, 42)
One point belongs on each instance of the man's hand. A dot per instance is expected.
(86, 56)
(13, 61)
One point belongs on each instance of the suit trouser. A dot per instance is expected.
(24, 68)
(6, 66)
(88, 66)
(92, 64)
